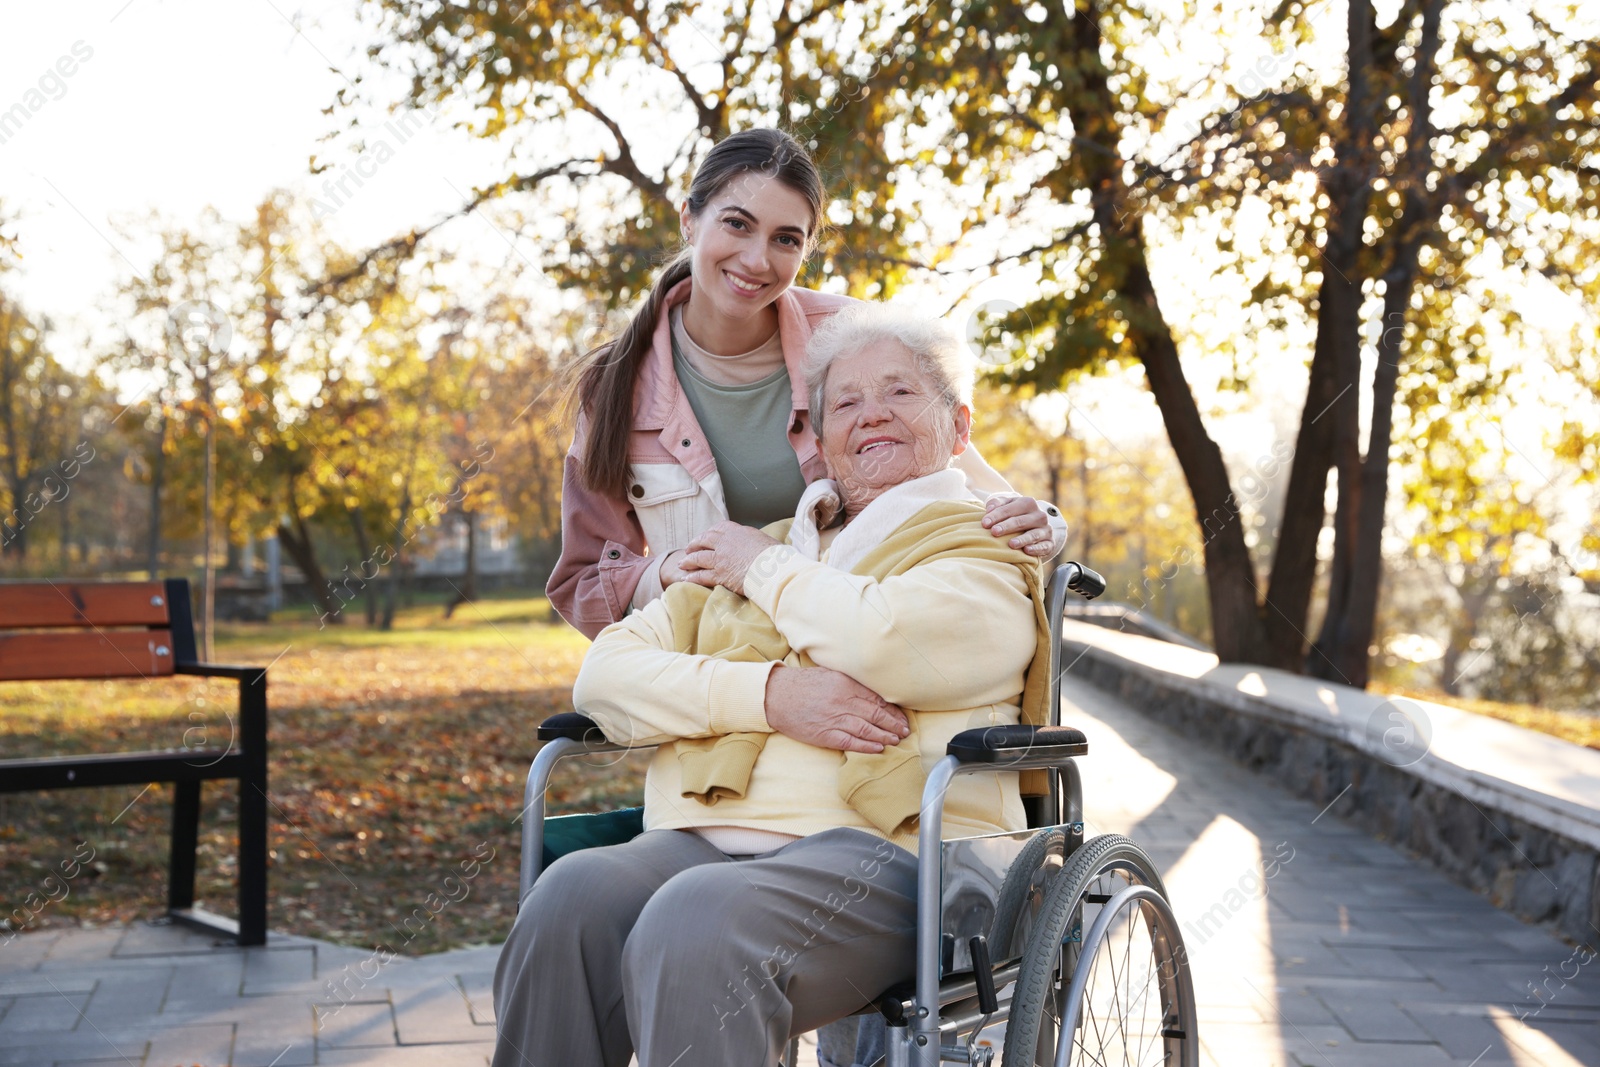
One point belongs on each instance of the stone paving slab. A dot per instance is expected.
(356, 1026)
(1311, 945)
(436, 1014)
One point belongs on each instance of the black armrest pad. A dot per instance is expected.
(1018, 747)
(573, 726)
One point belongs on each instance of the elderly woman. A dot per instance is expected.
(773, 889)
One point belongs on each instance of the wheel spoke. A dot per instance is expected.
(1119, 989)
(1144, 1012)
(1093, 1016)
(1127, 974)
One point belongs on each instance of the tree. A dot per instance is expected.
(38, 421)
(1532, 113)
(1076, 148)
(305, 429)
(1357, 180)
(855, 80)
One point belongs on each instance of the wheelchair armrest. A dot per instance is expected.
(572, 726)
(1018, 747)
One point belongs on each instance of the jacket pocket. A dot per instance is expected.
(663, 498)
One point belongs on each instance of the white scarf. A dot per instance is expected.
(820, 504)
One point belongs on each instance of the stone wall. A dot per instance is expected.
(1538, 873)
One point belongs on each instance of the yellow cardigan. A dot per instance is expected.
(951, 637)
(884, 787)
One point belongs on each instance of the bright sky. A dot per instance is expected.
(172, 105)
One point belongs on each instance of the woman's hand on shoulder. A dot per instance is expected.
(821, 707)
(1023, 519)
(723, 555)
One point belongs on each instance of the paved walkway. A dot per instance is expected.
(1348, 955)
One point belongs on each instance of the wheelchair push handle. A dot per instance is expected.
(1083, 581)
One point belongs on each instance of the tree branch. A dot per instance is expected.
(784, 29)
(404, 246)
(710, 117)
(623, 165)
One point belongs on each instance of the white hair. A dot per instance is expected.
(939, 352)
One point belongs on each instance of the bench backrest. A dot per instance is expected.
(70, 629)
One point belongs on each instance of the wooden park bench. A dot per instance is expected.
(90, 630)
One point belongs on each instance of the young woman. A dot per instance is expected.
(734, 919)
(698, 412)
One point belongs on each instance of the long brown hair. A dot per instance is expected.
(607, 375)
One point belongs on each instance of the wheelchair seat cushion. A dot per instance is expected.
(572, 833)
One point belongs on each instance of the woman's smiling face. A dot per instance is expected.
(749, 243)
(885, 422)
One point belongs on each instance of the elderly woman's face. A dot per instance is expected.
(884, 422)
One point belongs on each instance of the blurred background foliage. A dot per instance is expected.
(1369, 228)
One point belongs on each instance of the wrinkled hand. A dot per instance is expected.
(820, 707)
(1020, 515)
(723, 554)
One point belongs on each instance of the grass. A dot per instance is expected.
(397, 762)
(1578, 727)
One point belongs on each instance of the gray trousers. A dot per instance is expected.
(665, 948)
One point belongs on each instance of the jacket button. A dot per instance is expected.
(798, 425)
(613, 554)
(638, 490)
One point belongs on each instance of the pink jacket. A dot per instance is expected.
(675, 492)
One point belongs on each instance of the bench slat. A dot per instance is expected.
(83, 604)
(127, 768)
(116, 654)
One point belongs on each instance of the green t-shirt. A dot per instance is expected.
(747, 427)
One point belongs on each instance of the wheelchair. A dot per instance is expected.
(1071, 942)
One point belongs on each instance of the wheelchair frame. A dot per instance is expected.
(917, 1022)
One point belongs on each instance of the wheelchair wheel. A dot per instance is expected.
(1022, 891)
(1133, 1003)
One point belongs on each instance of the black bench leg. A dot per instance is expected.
(253, 859)
(185, 835)
(253, 813)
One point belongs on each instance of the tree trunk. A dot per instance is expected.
(1474, 599)
(391, 584)
(1343, 649)
(1236, 630)
(1230, 574)
(64, 503)
(369, 589)
(1086, 530)
(469, 588)
(296, 540)
(1342, 652)
(14, 532)
(14, 525)
(158, 470)
(1052, 468)
(1330, 420)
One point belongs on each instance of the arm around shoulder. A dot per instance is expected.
(985, 482)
